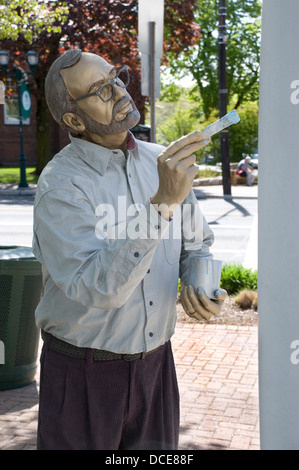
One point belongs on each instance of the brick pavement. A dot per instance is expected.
(218, 380)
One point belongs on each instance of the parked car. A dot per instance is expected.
(254, 161)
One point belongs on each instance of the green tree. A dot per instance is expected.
(29, 18)
(243, 49)
(243, 138)
(177, 115)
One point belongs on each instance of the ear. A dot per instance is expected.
(74, 121)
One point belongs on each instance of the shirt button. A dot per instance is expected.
(151, 303)
(136, 254)
(151, 334)
(148, 271)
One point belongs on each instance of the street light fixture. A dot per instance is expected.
(32, 59)
(4, 58)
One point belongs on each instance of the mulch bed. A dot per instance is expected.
(231, 314)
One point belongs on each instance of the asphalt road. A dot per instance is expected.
(234, 225)
(233, 222)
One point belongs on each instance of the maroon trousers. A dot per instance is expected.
(108, 405)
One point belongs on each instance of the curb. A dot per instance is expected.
(14, 190)
(17, 192)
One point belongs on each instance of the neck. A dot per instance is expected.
(113, 141)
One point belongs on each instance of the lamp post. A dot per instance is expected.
(21, 76)
(224, 135)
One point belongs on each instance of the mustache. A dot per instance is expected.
(120, 104)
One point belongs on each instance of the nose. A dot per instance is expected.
(119, 93)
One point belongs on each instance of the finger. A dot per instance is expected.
(185, 159)
(188, 308)
(199, 308)
(195, 139)
(183, 152)
(186, 302)
(220, 295)
(208, 304)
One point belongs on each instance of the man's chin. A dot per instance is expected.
(131, 120)
(117, 127)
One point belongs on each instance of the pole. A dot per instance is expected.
(224, 135)
(278, 228)
(23, 182)
(153, 47)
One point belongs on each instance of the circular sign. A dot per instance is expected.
(26, 100)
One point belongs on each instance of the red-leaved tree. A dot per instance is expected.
(110, 29)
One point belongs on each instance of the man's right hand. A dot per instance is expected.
(177, 171)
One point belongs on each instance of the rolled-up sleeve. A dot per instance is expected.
(92, 270)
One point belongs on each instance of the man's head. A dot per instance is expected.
(76, 74)
(248, 160)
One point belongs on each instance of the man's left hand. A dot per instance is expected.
(197, 305)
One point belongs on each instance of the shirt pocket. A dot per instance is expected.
(172, 249)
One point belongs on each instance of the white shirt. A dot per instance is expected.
(110, 273)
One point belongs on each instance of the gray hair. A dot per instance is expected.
(57, 95)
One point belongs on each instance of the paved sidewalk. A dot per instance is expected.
(239, 191)
(218, 380)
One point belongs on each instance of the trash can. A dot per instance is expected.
(20, 292)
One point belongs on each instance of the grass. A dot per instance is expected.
(207, 173)
(12, 175)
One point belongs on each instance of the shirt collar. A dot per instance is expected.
(95, 155)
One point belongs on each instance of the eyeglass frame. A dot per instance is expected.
(112, 83)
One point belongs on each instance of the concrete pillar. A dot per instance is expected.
(279, 227)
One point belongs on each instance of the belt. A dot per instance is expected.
(68, 349)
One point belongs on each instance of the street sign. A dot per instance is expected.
(150, 11)
(26, 101)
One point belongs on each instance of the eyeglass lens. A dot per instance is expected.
(106, 91)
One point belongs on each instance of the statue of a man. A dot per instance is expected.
(112, 238)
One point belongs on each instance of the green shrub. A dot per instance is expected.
(235, 278)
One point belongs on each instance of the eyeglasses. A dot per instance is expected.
(106, 91)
